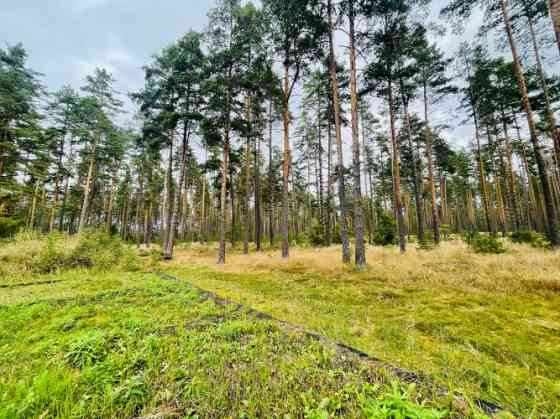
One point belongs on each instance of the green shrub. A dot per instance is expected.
(51, 257)
(29, 252)
(485, 244)
(385, 233)
(317, 234)
(9, 227)
(98, 249)
(531, 238)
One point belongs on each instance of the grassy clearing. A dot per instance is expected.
(158, 349)
(91, 340)
(485, 326)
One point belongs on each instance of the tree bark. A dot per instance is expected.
(547, 102)
(430, 159)
(246, 198)
(396, 173)
(286, 167)
(174, 222)
(338, 132)
(554, 8)
(360, 255)
(545, 183)
(270, 180)
(88, 184)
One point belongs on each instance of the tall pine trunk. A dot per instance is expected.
(338, 133)
(554, 8)
(398, 208)
(174, 222)
(555, 134)
(360, 256)
(247, 194)
(431, 177)
(545, 183)
(88, 185)
(286, 167)
(270, 179)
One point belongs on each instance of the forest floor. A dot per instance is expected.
(119, 339)
(484, 326)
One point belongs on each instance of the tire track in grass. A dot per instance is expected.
(406, 376)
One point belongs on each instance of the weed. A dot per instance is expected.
(86, 350)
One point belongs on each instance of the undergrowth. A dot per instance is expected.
(30, 253)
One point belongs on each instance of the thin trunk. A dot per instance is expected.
(360, 249)
(174, 221)
(396, 173)
(257, 181)
(416, 174)
(88, 185)
(547, 192)
(430, 159)
(223, 199)
(555, 134)
(270, 180)
(554, 8)
(166, 221)
(286, 167)
(338, 130)
(247, 214)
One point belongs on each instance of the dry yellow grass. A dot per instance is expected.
(452, 264)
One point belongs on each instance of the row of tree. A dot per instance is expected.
(200, 160)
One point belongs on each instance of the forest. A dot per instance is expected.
(312, 208)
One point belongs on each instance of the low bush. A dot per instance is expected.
(32, 253)
(385, 233)
(485, 244)
(531, 238)
(9, 227)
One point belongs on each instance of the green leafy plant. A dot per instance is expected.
(396, 404)
(86, 350)
(385, 233)
(485, 244)
(531, 238)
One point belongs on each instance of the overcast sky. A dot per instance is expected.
(67, 39)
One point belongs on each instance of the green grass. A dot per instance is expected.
(499, 342)
(117, 344)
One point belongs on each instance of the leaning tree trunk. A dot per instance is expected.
(360, 257)
(338, 130)
(545, 183)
